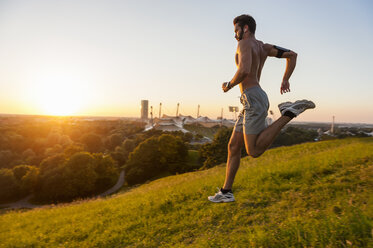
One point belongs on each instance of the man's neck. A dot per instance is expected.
(249, 36)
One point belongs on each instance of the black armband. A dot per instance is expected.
(280, 51)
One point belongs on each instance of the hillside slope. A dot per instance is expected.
(310, 195)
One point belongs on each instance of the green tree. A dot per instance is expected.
(75, 134)
(52, 162)
(73, 148)
(56, 149)
(65, 140)
(53, 138)
(144, 162)
(115, 140)
(9, 188)
(154, 156)
(93, 142)
(52, 180)
(17, 142)
(53, 185)
(81, 173)
(216, 152)
(4, 142)
(106, 170)
(29, 180)
(173, 153)
(20, 170)
(29, 157)
(6, 158)
(120, 155)
(28, 153)
(129, 145)
(64, 179)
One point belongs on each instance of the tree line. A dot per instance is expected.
(59, 161)
(64, 160)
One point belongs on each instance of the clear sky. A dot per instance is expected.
(103, 57)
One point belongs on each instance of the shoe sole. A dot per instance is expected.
(221, 201)
(284, 105)
(307, 103)
(299, 106)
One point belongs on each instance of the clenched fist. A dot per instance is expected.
(226, 87)
(285, 87)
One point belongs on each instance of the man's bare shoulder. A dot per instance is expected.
(245, 45)
(244, 42)
(267, 47)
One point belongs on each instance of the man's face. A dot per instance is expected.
(238, 32)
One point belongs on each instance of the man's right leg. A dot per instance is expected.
(235, 145)
(233, 162)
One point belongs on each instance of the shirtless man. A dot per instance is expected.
(250, 128)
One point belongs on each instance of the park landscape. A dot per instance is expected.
(120, 124)
(315, 194)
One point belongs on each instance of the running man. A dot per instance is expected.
(250, 128)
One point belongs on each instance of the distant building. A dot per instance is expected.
(169, 124)
(144, 109)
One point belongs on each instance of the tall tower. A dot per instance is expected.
(177, 110)
(160, 110)
(332, 128)
(151, 115)
(198, 111)
(144, 109)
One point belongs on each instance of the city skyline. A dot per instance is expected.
(92, 58)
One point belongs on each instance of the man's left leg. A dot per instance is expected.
(257, 144)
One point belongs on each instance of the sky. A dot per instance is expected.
(103, 57)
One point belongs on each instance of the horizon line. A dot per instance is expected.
(132, 117)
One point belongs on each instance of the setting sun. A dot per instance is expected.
(59, 95)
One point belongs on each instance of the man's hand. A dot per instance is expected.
(224, 87)
(285, 87)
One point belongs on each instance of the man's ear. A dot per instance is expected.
(245, 28)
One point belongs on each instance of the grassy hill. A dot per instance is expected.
(310, 195)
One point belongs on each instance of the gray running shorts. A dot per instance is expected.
(252, 118)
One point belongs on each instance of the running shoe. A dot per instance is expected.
(284, 105)
(298, 107)
(221, 197)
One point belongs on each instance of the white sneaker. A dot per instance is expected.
(221, 197)
(297, 107)
(284, 105)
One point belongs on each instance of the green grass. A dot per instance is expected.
(193, 159)
(310, 195)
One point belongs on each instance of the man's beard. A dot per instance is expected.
(239, 37)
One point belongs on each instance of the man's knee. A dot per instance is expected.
(234, 148)
(255, 153)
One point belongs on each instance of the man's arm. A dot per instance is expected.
(291, 61)
(244, 65)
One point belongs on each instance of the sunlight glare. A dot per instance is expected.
(60, 96)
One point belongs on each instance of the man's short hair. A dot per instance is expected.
(248, 20)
